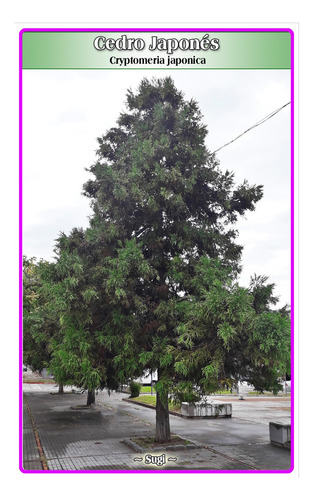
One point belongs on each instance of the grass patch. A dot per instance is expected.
(147, 390)
(220, 393)
(151, 400)
(279, 394)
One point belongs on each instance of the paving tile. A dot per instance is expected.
(79, 439)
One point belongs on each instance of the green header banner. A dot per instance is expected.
(156, 50)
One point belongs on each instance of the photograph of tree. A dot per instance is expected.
(156, 231)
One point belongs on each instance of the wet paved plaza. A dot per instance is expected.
(59, 435)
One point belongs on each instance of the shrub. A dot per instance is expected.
(134, 389)
(184, 392)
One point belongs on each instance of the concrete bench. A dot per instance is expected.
(280, 434)
(206, 410)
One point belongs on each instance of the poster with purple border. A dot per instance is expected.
(156, 250)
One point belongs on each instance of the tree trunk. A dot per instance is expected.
(61, 389)
(91, 398)
(163, 432)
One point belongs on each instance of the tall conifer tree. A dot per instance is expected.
(160, 205)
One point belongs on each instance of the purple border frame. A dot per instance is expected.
(292, 241)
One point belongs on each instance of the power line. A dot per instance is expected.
(253, 126)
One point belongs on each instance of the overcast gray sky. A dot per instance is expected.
(65, 111)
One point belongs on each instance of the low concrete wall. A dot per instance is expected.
(206, 410)
(280, 434)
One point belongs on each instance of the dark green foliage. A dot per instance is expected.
(41, 317)
(156, 181)
(262, 293)
(81, 352)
